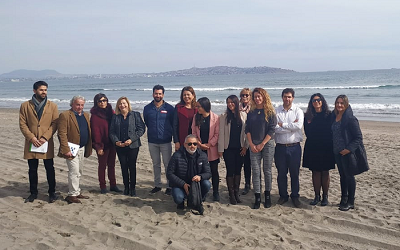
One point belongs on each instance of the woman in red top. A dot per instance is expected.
(183, 116)
(100, 119)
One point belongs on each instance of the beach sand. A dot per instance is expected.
(114, 221)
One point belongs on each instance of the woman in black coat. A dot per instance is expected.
(347, 142)
(126, 128)
(318, 152)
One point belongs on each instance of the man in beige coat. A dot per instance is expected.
(38, 122)
(74, 128)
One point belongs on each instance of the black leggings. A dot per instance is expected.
(233, 162)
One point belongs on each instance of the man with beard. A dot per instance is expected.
(158, 117)
(188, 164)
(288, 136)
(38, 123)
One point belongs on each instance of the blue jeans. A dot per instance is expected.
(288, 158)
(179, 195)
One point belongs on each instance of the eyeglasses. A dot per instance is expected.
(102, 100)
(244, 95)
(316, 100)
(192, 143)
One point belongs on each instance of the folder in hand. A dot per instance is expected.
(42, 149)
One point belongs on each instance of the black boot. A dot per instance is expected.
(133, 191)
(246, 189)
(257, 201)
(324, 201)
(236, 186)
(349, 205)
(267, 202)
(126, 190)
(343, 200)
(316, 200)
(229, 183)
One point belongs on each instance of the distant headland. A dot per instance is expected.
(22, 74)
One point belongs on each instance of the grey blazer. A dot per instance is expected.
(135, 131)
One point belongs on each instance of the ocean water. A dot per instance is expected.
(373, 94)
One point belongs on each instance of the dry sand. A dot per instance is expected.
(114, 221)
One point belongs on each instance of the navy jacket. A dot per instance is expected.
(135, 131)
(159, 122)
(177, 167)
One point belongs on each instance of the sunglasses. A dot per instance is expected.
(316, 100)
(244, 95)
(103, 100)
(192, 143)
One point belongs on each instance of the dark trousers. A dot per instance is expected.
(179, 194)
(33, 175)
(214, 175)
(107, 159)
(347, 180)
(247, 167)
(233, 162)
(127, 157)
(288, 158)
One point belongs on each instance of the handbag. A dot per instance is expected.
(358, 162)
(194, 197)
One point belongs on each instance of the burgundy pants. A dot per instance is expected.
(107, 159)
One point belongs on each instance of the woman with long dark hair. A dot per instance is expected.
(205, 126)
(232, 145)
(245, 104)
(318, 151)
(260, 129)
(100, 120)
(183, 116)
(126, 129)
(347, 142)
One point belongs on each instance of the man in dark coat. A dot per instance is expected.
(188, 164)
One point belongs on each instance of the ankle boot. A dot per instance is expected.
(324, 201)
(316, 200)
(349, 205)
(246, 189)
(267, 202)
(236, 186)
(343, 200)
(126, 190)
(229, 183)
(257, 201)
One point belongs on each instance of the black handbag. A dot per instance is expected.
(358, 162)
(194, 197)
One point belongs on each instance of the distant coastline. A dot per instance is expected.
(21, 75)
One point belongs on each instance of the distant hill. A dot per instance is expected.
(218, 70)
(25, 73)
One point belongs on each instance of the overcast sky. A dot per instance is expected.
(153, 36)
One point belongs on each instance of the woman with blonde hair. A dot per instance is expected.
(126, 129)
(244, 107)
(260, 129)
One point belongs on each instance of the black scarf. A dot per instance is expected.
(191, 168)
(39, 106)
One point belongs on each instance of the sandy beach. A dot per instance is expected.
(114, 221)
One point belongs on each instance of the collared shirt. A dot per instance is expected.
(292, 122)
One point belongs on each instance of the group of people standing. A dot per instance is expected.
(250, 133)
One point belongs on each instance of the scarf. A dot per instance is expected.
(191, 168)
(39, 106)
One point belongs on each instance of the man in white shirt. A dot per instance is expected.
(288, 136)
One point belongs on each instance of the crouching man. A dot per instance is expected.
(188, 164)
